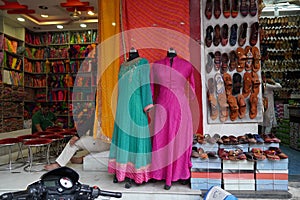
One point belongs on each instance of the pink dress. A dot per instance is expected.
(173, 128)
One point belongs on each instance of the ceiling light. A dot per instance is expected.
(21, 19)
(114, 24)
(83, 25)
(91, 12)
(60, 26)
(44, 16)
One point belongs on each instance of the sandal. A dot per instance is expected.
(224, 33)
(244, 8)
(217, 35)
(208, 9)
(253, 106)
(210, 62)
(242, 33)
(237, 83)
(217, 8)
(241, 59)
(253, 8)
(226, 8)
(233, 107)
(255, 83)
(223, 107)
(217, 60)
(256, 57)
(212, 99)
(249, 58)
(247, 84)
(254, 33)
(220, 87)
(233, 60)
(233, 34)
(242, 106)
(234, 8)
(208, 37)
(258, 154)
(224, 60)
(228, 83)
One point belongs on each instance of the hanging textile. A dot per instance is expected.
(109, 26)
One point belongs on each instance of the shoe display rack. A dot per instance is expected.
(60, 69)
(232, 61)
(248, 162)
(280, 49)
(12, 92)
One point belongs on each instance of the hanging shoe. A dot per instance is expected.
(217, 8)
(233, 34)
(217, 35)
(224, 35)
(226, 8)
(234, 8)
(208, 9)
(242, 34)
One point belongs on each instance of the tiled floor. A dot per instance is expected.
(19, 179)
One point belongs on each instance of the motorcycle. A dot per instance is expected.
(61, 183)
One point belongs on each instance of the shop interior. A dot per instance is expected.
(49, 54)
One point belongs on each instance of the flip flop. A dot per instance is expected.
(241, 59)
(233, 60)
(249, 58)
(220, 87)
(212, 99)
(223, 107)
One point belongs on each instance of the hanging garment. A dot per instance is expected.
(173, 128)
(130, 151)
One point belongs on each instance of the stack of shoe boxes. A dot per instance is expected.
(206, 173)
(238, 174)
(272, 175)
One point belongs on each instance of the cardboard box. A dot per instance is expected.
(239, 184)
(237, 175)
(272, 164)
(238, 165)
(263, 185)
(271, 174)
(207, 175)
(204, 184)
(209, 163)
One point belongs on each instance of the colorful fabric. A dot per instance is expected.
(109, 11)
(173, 128)
(130, 151)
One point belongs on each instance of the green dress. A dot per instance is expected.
(130, 151)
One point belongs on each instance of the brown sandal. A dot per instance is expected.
(233, 107)
(241, 59)
(256, 57)
(255, 83)
(212, 99)
(247, 84)
(242, 106)
(228, 83)
(223, 107)
(253, 106)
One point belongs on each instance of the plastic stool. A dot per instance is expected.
(34, 161)
(12, 164)
(43, 133)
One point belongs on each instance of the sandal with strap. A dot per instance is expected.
(212, 99)
(253, 106)
(247, 84)
(228, 83)
(242, 106)
(233, 107)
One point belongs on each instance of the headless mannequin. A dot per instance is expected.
(133, 53)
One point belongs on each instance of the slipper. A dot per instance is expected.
(241, 59)
(223, 107)
(247, 84)
(234, 8)
(258, 154)
(218, 138)
(237, 83)
(224, 33)
(242, 106)
(249, 58)
(233, 34)
(217, 8)
(217, 60)
(208, 9)
(208, 37)
(256, 57)
(217, 35)
(225, 139)
(209, 139)
(224, 61)
(233, 107)
(226, 8)
(253, 106)
(242, 33)
(233, 60)
(255, 83)
(228, 83)
(210, 62)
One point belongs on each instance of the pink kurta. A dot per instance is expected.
(173, 128)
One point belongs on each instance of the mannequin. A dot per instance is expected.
(133, 53)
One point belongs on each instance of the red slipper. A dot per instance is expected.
(208, 9)
(234, 8)
(226, 8)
